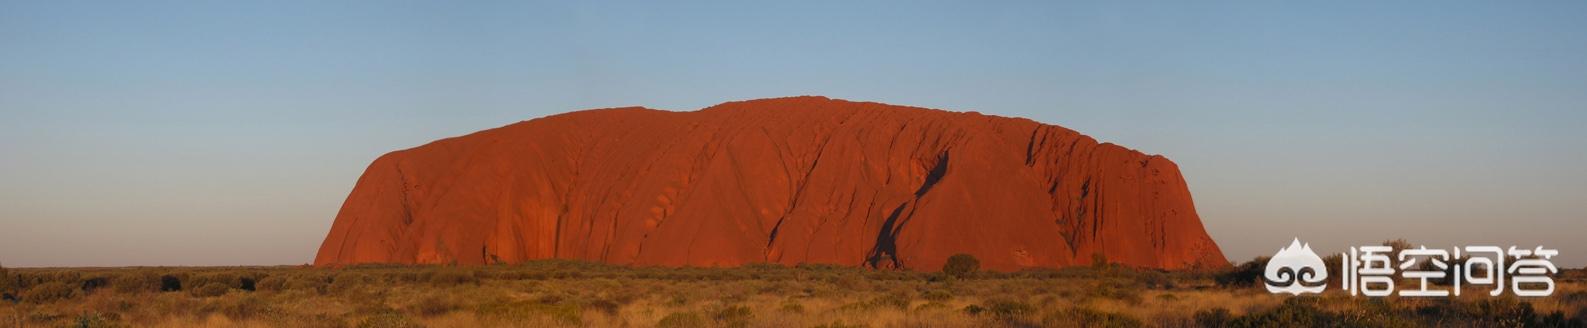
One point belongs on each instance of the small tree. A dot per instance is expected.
(1099, 261)
(1243, 275)
(961, 265)
(5, 279)
(1397, 245)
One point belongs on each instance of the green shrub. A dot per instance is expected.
(681, 320)
(961, 265)
(249, 282)
(170, 283)
(49, 292)
(90, 284)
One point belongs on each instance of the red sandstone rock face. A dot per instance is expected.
(789, 180)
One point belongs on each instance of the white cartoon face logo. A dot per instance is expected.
(1296, 269)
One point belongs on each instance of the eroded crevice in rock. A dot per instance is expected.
(885, 254)
(937, 171)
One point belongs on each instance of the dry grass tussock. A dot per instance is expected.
(576, 294)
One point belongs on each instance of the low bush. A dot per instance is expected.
(49, 292)
(248, 283)
(135, 282)
(249, 307)
(1295, 312)
(898, 300)
(170, 283)
(961, 265)
(1087, 317)
(388, 319)
(1244, 275)
(792, 306)
(931, 306)
(763, 295)
(211, 289)
(228, 279)
(1576, 297)
(96, 320)
(840, 324)
(681, 320)
(733, 316)
(525, 312)
(606, 307)
(974, 309)
(309, 283)
(1218, 317)
(273, 283)
(346, 282)
(1009, 308)
(434, 305)
(6, 281)
(89, 285)
(451, 277)
(317, 320)
(1114, 289)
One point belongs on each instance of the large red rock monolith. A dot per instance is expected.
(787, 180)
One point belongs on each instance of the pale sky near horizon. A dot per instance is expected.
(222, 133)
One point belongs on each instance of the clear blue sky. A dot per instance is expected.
(217, 133)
